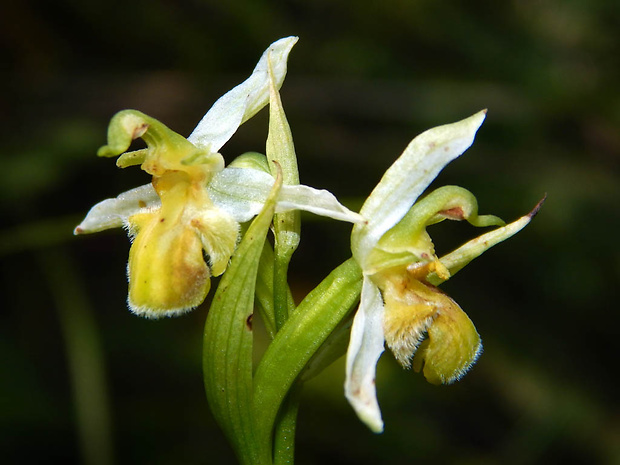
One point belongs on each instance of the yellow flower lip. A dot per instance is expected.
(168, 274)
(167, 271)
(423, 324)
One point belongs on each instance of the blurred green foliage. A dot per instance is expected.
(365, 78)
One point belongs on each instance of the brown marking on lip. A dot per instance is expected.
(248, 322)
(139, 130)
(455, 213)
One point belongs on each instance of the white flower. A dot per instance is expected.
(399, 303)
(185, 224)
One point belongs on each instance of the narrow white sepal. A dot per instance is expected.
(318, 201)
(244, 101)
(408, 177)
(242, 192)
(365, 347)
(113, 213)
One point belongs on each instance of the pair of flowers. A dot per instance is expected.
(186, 223)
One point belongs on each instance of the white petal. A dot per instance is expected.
(365, 347)
(113, 213)
(241, 192)
(408, 177)
(244, 101)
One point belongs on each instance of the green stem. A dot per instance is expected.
(265, 290)
(280, 287)
(85, 357)
(286, 423)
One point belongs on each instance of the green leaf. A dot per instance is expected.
(299, 339)
(227, 350)
(332, 349)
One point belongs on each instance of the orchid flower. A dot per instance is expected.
(184, 225)
(400, 304)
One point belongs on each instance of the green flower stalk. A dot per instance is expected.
(400, 304)
(185, 224)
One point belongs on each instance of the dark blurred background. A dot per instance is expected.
(364, 79)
